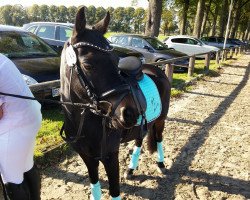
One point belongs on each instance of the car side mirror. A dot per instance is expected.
(148, 48)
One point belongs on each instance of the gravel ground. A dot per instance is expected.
(206, 145)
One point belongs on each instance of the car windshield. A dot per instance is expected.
(200, 41)
(23, 45)
(156, 44)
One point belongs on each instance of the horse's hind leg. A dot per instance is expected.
(134, 159)
(92, 165)
(157, 130)
(111, 165)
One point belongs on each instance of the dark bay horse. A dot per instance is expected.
(90, 75)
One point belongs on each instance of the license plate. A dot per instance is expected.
(55, 92)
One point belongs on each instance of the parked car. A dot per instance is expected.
(152, 49)
(190, 45)
(55, 34)
(236, 41)
(34, 58)
(218, 42)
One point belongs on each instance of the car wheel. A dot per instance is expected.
(213, 55)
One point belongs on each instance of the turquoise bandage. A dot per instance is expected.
(116, 198)
(160, 152)
(135, 158)
(96, 192)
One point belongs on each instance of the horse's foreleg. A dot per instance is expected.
(111, 165)
(92, 165)
(134, 159)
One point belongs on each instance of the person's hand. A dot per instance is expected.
(1, 111)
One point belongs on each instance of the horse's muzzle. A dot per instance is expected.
(127, 118)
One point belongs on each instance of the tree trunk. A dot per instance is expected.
(184, 18)
(153, 18)
(214, 22)
(198, 18)
(236, 18)
(223, 17)
(204, 22)
(246, 34)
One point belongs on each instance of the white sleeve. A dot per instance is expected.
(1, 101)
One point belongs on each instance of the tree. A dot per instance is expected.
(5, 15)
(153, 18)
(214, 11)
(19, 15)
(223, 17)
(72, 10)
(53, 10)
(100, 14)
(44, 11)
(118, 20)
(139, 16)
(128, 19)
(205, 17)
(34, 13)
(62, 14)
(91, 15)
(184, 17)
(168, 24)
(240, 4)
(199, 18)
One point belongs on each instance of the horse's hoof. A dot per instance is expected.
(161, 168)
(129, 174)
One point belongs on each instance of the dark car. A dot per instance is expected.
(219, 42)
(34, 58)
(152, 49)
(55, 34)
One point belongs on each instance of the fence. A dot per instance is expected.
(221, 55)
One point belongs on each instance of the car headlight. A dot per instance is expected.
(29, 80)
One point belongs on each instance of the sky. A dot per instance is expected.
(67, 3)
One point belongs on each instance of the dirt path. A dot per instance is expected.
(207, 149)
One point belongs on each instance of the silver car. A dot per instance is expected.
(152, 49)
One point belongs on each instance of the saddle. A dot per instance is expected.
(144, 90)
(131, 70)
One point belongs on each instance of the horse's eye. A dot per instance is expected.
(87, 66)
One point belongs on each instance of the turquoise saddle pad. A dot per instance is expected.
(153, 99)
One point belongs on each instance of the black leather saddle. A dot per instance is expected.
(132, 67)
(131, 70)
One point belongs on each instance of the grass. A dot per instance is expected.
(48, 135)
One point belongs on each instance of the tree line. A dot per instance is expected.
(192, 17)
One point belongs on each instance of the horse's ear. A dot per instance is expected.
(80, 22)
(102, 25)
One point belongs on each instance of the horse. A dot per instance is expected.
(90, 76)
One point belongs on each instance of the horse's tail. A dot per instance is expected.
(155, 135)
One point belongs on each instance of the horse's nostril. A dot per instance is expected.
(129, 116)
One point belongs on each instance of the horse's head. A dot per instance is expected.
(99, 81)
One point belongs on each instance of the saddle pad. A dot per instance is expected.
(152, 97)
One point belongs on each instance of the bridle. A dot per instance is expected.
(94, 100)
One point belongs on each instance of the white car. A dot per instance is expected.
(190, 45)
